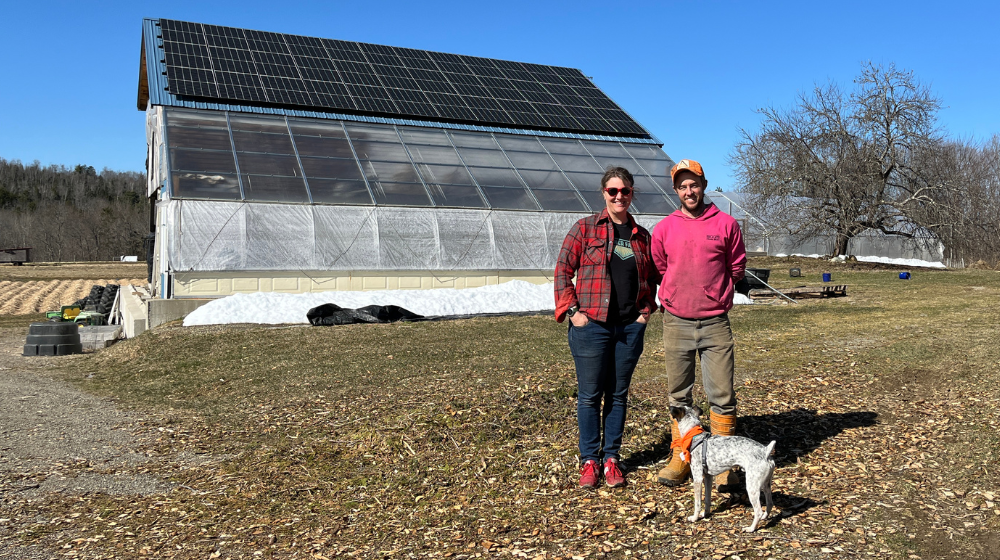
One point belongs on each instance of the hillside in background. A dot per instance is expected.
(73, 214)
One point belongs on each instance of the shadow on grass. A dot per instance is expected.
(798, 433)
(785, 505)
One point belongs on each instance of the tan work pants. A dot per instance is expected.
(712, 341)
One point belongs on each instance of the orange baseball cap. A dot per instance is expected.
(687, 165)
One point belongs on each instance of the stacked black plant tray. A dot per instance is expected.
(55, 338)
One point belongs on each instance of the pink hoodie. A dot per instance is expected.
(701, 259)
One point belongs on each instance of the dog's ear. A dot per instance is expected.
(677, 412)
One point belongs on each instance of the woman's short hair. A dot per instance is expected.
(619, 172)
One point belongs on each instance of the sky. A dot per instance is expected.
(693, 74)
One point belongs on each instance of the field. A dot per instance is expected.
(458, 439)
(40, 287)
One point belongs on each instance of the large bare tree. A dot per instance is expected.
(848, 164)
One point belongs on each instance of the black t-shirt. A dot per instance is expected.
(624, 277)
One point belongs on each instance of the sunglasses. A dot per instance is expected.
(613, 191)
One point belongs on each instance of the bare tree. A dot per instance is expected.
(973, 170)
(847, 164)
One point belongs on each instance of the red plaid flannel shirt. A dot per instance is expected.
(586, 254)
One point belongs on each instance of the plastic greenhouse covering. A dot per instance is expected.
(219, 236)
(271, 192)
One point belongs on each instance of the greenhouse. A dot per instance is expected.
(772, 235)
(296, 164)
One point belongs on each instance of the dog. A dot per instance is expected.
(711, 455)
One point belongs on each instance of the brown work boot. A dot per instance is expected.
(724, 426)
(676, 471)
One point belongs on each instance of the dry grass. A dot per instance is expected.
(458, 438)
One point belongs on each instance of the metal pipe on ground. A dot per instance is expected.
(770, 287)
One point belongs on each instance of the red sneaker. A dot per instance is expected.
(589, 474)
(613, 476)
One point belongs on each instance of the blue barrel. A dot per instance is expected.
(826, 277)
(904, 275)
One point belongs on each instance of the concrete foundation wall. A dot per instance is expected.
(166, 310)
(140, 311)
(134, 311)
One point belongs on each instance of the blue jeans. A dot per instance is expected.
(605, 357)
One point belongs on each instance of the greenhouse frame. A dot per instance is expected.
(296, 197)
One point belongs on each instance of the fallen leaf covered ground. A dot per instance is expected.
(458, 439)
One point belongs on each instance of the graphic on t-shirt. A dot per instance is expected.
(623, 248)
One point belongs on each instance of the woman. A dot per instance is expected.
(608, 309)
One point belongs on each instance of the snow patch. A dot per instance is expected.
(273, 308)
(883, 260)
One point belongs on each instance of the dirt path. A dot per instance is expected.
(54, 438)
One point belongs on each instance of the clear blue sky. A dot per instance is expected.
(691, 73)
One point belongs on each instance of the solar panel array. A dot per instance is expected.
(226, 63)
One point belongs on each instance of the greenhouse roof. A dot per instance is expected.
(218, 155)
(204, 66)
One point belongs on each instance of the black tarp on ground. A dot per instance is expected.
(333, 314)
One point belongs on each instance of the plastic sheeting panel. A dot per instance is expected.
(228, 236)
(289, 246)
(206, 235)
(156, 166)
(346, 238)
(408, 239)
(466, 239)
(520, 242)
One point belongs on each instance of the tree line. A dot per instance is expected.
(873, 160)
(73, 214)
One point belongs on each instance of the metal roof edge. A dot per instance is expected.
(156, 66)
(174, 102)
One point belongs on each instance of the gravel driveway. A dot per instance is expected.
(55, 438)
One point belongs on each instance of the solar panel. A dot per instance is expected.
(241, 65)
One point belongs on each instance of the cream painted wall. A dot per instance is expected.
(219, 284)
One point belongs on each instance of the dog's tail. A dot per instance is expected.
(769, 450)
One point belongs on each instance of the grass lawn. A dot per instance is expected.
(458, 439)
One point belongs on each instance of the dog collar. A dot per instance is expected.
(684, 444)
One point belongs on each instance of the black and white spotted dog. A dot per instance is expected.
(712, 455)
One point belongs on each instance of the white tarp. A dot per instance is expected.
(231, 236)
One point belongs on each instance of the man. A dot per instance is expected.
(699, 251)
